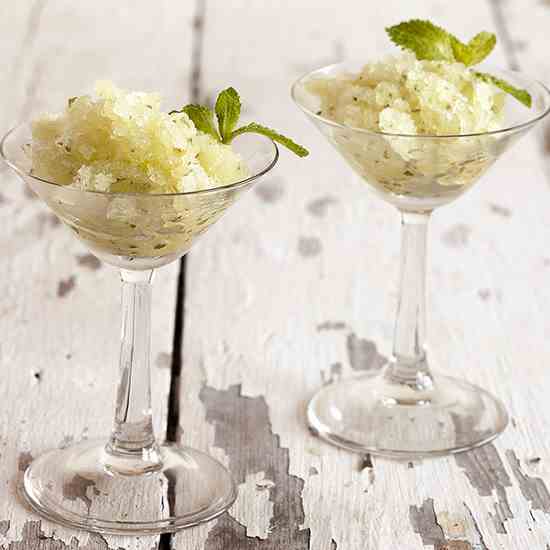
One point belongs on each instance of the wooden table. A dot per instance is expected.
(296, 285)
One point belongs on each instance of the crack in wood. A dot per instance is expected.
(486, 473)
(173, 429)
(480, 544)
(251, 449)
(533, 489)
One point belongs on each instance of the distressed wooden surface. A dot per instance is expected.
(294, 287)
(59, 306)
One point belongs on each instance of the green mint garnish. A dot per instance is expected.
(426, 40)
(432, 43)
(520, 95)
(477, 49)
(203, 119)
(71, 100)
(228, 111)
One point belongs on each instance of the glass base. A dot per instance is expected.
(370, 414)
(73, 487)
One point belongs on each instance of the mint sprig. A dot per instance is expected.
(228, 112)
(432, 43)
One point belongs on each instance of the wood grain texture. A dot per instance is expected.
(60, 308)
(297, 286)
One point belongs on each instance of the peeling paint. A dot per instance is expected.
(424, 523)
(313, 471)
(4, 527)
(65, 286)
(366, 465)
(500, 210)
(484, 294)
(89, 260)
(308, 247)
(457, 236)
(333, 545)
(334, 375)
(363, 354)
(533, 489)
(251, 449)
(486, 472)
(319, 207)
(270, 191)
(332, 325)
(163, 360)
(66, 442)
(23, 460)
(32, 538)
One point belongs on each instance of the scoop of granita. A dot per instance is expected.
(120, 141)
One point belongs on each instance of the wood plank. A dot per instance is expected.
(298, 283)
(60, 307)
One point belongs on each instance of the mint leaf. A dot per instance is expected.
(480, 46)
(255, 128)
(522, 96)
(228, 111)
(426, 40)
(477, 49)
(203, 119)
(71, 100)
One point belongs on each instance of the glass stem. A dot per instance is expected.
(409, 365)
(132, 448)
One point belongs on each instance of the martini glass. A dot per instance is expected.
(405, 410)
(134, 485)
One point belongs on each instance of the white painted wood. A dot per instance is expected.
(256, 306)
(51, 50)
(271, 273)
